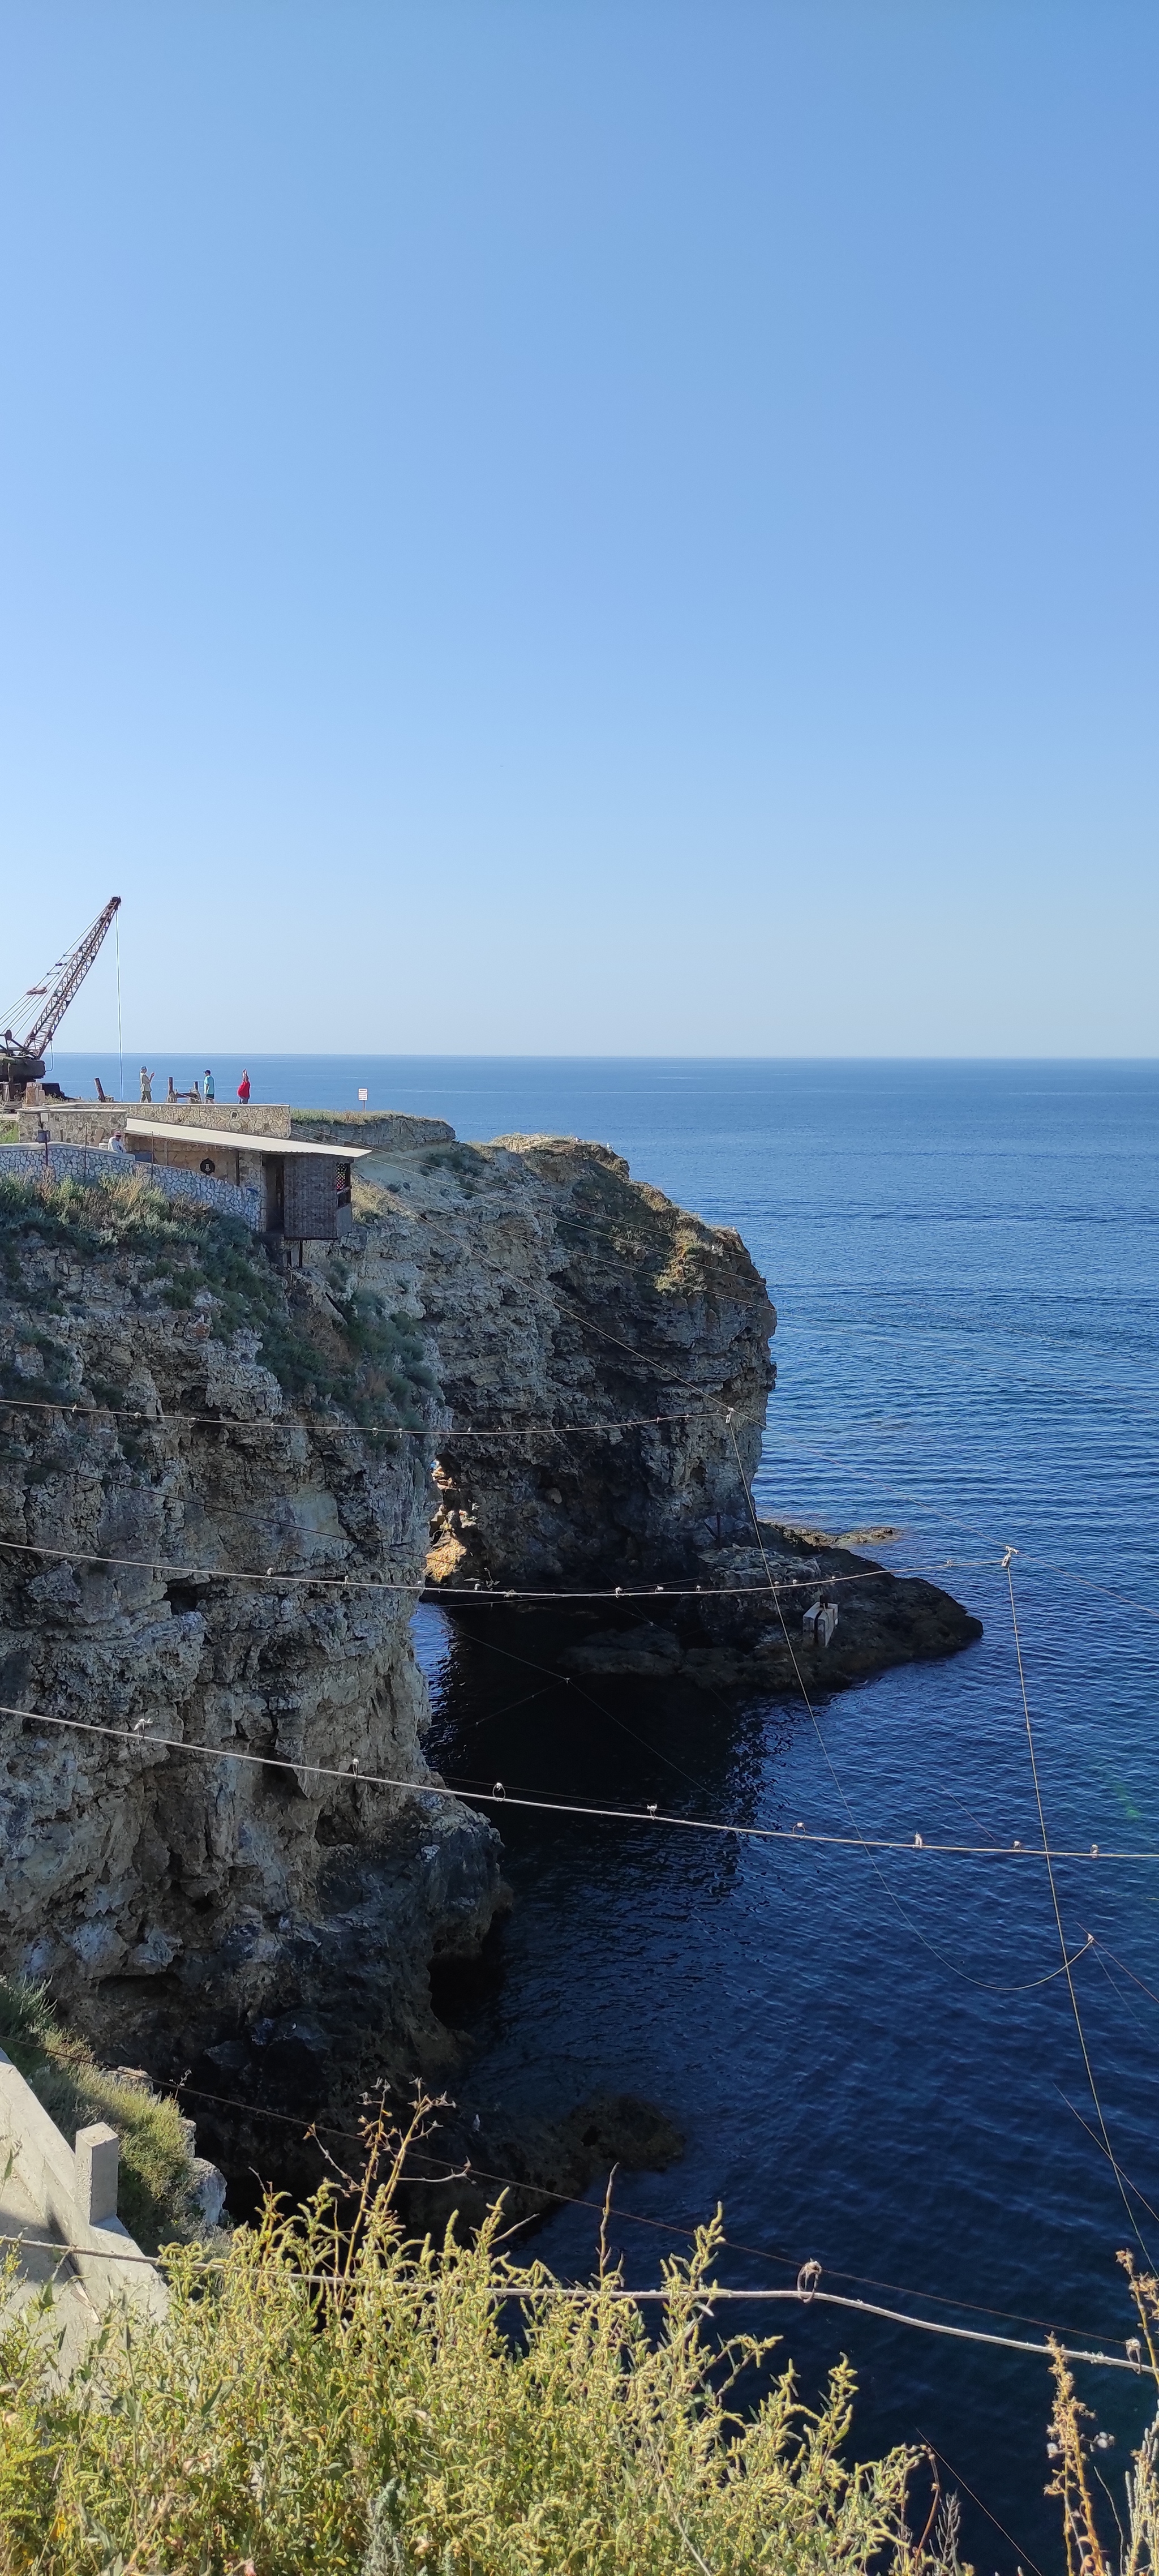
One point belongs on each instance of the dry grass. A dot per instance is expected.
(1080, 2479)
(390, 2417)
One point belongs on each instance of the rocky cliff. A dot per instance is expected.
(590, 1339)
(178, 1417)
(219, 1483)
(604, 1356)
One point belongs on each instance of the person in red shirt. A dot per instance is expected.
(243, 1088)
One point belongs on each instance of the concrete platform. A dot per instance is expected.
(71, 2318)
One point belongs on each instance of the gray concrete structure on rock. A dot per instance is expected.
(91, 1122)
(74, 2193)
(303, 1188)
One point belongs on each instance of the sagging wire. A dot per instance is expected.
(629, 2217)
(1067, 1963)
(869, 1844)
(135, 1739)
(418, 1588)
(709, 2295)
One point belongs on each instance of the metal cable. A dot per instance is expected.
(498, 1797)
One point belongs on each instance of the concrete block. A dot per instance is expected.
(60, 2181)
(98, 2151)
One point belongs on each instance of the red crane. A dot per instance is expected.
(22, 1049)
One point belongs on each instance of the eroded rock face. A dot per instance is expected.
(172, 1896)
(605, 1362)
(588, 1368)
(271, 1920)
(563, 1298)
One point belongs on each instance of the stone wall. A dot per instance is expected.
(91, 1122)
(240, 1118)
(95, 1164)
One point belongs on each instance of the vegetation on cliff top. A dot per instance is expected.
(361, 1358)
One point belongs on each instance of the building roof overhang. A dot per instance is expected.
(239, 1141)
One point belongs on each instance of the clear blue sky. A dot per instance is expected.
(584, 525)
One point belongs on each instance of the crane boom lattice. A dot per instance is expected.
(30, 1031)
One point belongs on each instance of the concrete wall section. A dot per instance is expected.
(91, 1122)
(73, 2190)
(250, 1118)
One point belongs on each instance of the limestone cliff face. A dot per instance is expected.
(172, 1897)
(599, 1334)
(604, 1357)
(216, 1504)
(180, 1415)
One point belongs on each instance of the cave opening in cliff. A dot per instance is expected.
(183, 1596)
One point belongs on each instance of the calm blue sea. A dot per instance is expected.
(866, 2061)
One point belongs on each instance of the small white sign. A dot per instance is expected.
(364, 1095)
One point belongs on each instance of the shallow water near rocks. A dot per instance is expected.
(864, 2057)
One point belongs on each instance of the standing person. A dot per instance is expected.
(210, 1091)
(243, 1088)
(146, 1083)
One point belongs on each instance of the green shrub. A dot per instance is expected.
(462, 1160)
(89, 1216)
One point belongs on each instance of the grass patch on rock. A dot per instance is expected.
(363, 1359)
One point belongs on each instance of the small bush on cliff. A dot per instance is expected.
(326, 2406)
(466, 1165)
(86, 1217)
(156, 2172)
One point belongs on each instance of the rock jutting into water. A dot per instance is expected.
(223, 1487)
(564, 1296)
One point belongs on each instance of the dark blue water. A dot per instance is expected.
(862, 2060)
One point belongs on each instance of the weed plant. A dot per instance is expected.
(326, 2398)
(335, 2401)
(1079, 2481)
